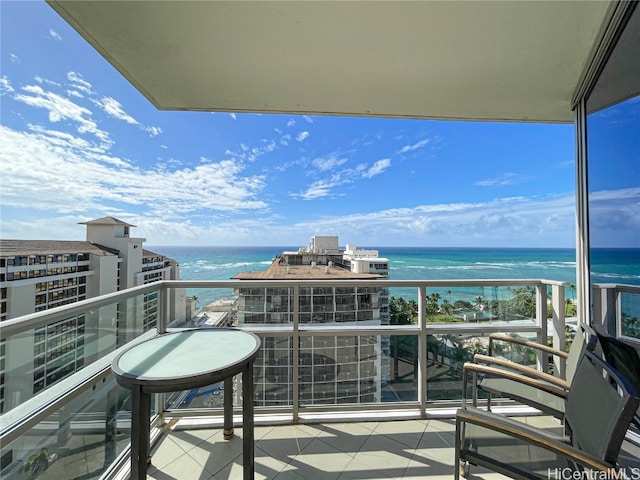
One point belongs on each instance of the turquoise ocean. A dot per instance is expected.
(621, 266)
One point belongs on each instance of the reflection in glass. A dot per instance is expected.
(614, 175)
(613, 172)
(80, 440)
(630, 315)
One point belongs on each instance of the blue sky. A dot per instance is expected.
(79, 142)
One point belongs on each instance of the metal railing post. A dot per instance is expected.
(163, 309)
(295, 368)
(542, 359)
(606, 308)
(559, 328)
(422, 349)
(615, 323)
(596, 305)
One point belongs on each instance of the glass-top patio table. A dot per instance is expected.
(185, 360)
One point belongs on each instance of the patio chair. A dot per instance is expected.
(623, 357)
(599, 408)
(527, 385)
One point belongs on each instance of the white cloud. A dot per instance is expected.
(114, 109)
(5, 86)
(45, 81)
(79, 83)
(57, 172)
(153, 131)
(377, 168)
(53, 34)
(318, 189)
(502, 180)
(291, 123)
(62, 109)
(221, 230)
(621, 194)
(614, 218)
(232, 115)
(506, 222)
(58, 227)
(329, 163)
(325, 187)
(307, 118)
(503, 222)
(251, 154)
(302, 136)
(15, 58)
(415, 146)
(62, 140)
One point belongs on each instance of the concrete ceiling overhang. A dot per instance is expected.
(476, 60)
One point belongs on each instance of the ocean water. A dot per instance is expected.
(410, 263)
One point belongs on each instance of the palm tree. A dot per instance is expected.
(446, 307)
(524, 302)
(412, 310)
(398, 309)
(462, 305)
(432, 304)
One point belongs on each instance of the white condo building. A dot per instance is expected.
(332, 369)
(37, 275)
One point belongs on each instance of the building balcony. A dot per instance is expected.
(341, 401)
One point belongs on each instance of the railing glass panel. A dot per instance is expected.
(617, 307)
(630, 314)
(80, 440)
(35, 359)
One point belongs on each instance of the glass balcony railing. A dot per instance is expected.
(408, 359)
(618, 308)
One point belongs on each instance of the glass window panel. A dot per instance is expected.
(613, 166)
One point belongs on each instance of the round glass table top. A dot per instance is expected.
(186, 354)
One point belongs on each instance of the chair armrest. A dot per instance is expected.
(532, 372)
(521, 341)
(516, 429)
(487, 370)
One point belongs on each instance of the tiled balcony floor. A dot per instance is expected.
(408, 449)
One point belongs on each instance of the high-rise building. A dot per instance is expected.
(36, 275)
(332, 369)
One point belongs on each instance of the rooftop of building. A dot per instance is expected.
(106, 221)
(12, 248)
(279, 270)
(148, 253)
(371, 258)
